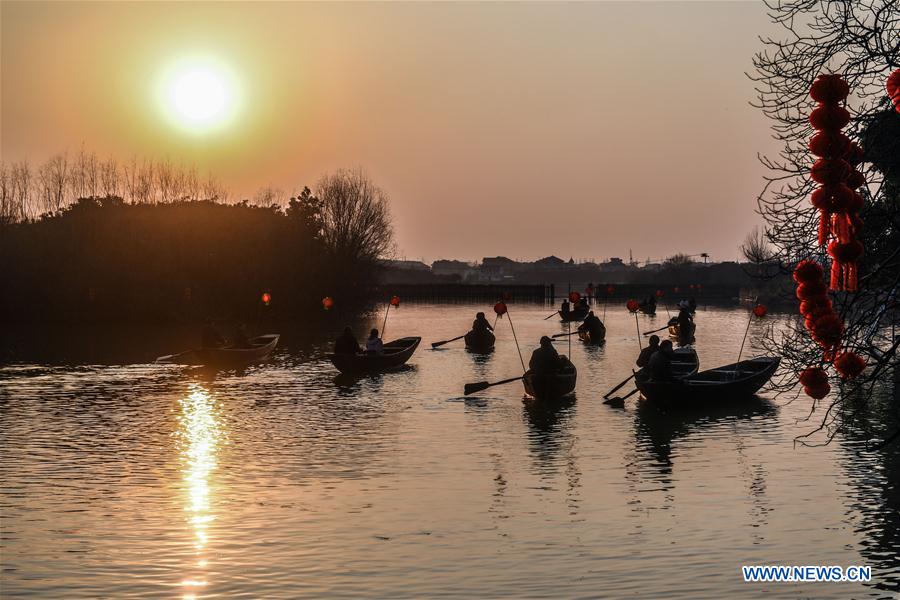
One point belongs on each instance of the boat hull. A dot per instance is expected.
(395, 355)
(480, 342)
(740, 380)
(573, 316)
(261, 347)
(552, 386)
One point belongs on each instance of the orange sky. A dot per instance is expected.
(522, 129)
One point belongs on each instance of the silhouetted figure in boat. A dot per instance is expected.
(692, 305)
(583, 304)
(643, 359)
(481, 323)
(346, 343)
(210, 336)
(545, 359)
(685, 323)
(565, 308)
(241, 338)
(650, 305)
(594, 326)
(374, 345)
(660, 364)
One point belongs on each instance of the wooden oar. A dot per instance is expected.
(619, 402)
(471, 388)
(436, 344)
(655, 330)
(553, 315)
(559, 335)
(615, 389)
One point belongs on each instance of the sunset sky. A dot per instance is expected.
(521, 129)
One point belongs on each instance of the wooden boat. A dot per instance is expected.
(480, 342)
(395, 355)
(574, 315)
(739, 380)
(228, 356)
(551, 386)
(647, 309)
(587, 338)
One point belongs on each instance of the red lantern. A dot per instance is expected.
(395, 301)
(500, 308)
(849, 364)
(846, 253)
(855, 154)
(830, 171)
(832, 198)
(829, 118)
(855, 180)
(817, 392)
(659, 293)
(675, 289)
(811, 289)
(815, 307)
(829, 88)
(893, 88)
(760, 310)
(633, 305)
(507, 296)
(807, 271)
(813, 377)
(843, 267)
(827, 330)
(327, 303)
(574, 297)
(829, 144)
(266, 298)
(609, 290)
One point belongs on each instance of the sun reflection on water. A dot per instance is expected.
(200, 434)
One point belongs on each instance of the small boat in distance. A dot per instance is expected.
(550, 386)
(575, 315)
(395, 355)
(480, 342)
(587, 338)
(259, 349)
(738, 380)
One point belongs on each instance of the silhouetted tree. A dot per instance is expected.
(859, 40)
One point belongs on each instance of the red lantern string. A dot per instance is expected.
(835, 169)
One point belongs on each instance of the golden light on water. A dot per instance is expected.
(200, 435)
(199, 95)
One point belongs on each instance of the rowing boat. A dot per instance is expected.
(480, 342)
(588, 338)
(550, 386)
(575, 315)
(738, 380)
(395, 355)
(258, 349)
(675, 333)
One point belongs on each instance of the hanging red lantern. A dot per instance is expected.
(507, 296)
(610, 289)
(832, 198)
(813, 377)
(829, 117)
(817, 392)
(266, 298)
(816, 307)
(760, 310)
(855, 180)
(500, 308)
(574, 297)
(828, 330)
(811, 289)
(849, 364)
(395, 301)
(829, 144)
(844, 264)
(327, 303)
(808, 270)
(659, 293)
(855, 154)
(633, 305)
(893, 88)
(829, 88)
(830, 171)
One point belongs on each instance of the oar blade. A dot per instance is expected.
(471, 388)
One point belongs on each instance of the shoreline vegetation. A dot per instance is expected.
(160, 253)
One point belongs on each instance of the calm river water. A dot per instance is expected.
(154, 481)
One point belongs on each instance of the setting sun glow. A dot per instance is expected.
(199, 96)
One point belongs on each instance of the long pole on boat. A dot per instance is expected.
(384, 324)
(746, 331)
(519, 350)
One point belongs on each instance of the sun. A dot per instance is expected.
(199, 96)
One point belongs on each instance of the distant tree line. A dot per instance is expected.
(88, 240)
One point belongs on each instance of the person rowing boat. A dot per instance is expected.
(347, 343)
(643, 360)
(593, 327)
(481, 324)
(660, 364)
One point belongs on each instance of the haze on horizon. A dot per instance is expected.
(521, 129)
